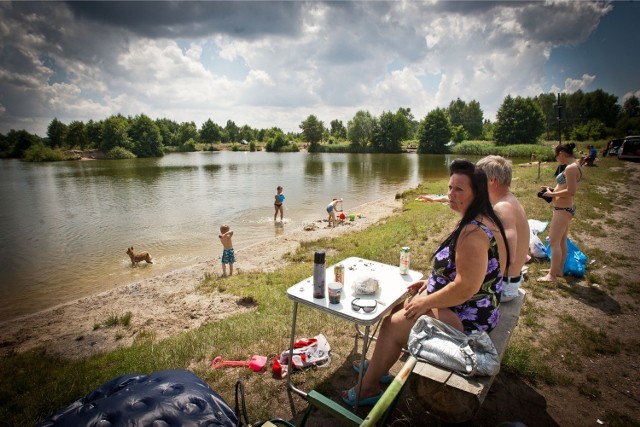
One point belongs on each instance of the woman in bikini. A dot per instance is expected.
(277, 204)
(563, 208)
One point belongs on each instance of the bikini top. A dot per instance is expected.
(562, 178)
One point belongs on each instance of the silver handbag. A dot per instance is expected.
(441, 344)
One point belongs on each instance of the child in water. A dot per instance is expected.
(331, 210)
(277, 204)
(228, 256)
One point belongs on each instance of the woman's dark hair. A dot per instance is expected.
(480, 205)
(567, 148)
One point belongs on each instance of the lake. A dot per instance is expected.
(65, 226)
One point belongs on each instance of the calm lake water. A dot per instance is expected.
(65, 226)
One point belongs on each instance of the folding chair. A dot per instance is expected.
(382, 409)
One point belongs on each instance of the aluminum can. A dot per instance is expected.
(319, 274)
(405, 260)
(338, 271)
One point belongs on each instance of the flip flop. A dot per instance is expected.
(385, 379)
(351, 398)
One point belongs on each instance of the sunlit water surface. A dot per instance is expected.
(65, 226)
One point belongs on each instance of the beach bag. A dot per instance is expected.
(576, 262)
(443, 345)
(314, 352)
(536, 247)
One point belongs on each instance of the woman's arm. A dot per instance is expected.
(471, 268)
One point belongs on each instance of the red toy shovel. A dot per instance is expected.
(256, 363)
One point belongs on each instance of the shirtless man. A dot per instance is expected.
(513, 217)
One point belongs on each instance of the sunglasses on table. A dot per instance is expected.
(367, 307)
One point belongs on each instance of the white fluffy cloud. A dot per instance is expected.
(272, 64)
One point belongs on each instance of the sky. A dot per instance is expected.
(268, 63)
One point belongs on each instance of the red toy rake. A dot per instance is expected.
(256, 363)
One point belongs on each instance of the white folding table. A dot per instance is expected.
(392, 290)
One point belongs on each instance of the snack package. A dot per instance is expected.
(365, 286)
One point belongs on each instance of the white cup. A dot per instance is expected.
(335, 292)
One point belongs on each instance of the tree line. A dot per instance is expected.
(520, 120)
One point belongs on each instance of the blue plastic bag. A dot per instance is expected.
(576, 262)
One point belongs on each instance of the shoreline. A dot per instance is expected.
(164, 304)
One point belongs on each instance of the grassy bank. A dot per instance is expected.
(35, 385)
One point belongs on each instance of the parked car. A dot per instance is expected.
(630, 148)
(244, 142)
(613, 146)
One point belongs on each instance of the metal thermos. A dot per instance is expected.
(319, 274)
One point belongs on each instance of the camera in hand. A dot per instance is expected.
(546, 199)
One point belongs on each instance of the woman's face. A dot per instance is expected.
(460, 193)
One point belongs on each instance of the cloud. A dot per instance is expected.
(274, 63)
(573, 85)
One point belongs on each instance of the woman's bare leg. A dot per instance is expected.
(558, 244)
(393, 336)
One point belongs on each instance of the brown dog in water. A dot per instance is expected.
(136, 258)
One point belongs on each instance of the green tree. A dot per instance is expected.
(518, 121)
(146, 137)
(360, 129)
(455, 111)
(57, 134)
(631, 107)
(115, 134)
(389, 131)
(434, 132)
(168, 129)
(547, 102)
(77, 135)
(94, 133)
(312, 130)
(590, 131)
(20, 141)
(246, 133)
(186, 131)
(233, 131)
(472, 120)
(337, 129)
(210, 132)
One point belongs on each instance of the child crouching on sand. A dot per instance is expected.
(228, 256)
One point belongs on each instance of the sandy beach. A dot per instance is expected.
(167, 303)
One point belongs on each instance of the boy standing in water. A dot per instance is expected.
(228, 256)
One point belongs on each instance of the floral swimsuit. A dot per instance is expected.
(481, 311)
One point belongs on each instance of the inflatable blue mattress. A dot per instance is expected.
(163, 398)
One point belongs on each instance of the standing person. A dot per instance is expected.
(563, 208)
(463, 289)
(513, 217)
(331, 210)
(277, 204)
(228, 256)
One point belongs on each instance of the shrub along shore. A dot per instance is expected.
(35, 385)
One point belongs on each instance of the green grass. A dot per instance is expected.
(35, 385)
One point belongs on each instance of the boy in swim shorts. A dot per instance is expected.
(228, 256)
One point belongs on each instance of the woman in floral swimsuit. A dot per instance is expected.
(464, 286)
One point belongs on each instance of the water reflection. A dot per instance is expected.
(79, 217)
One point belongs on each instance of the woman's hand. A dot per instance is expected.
(415, 306)
(417, 287)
